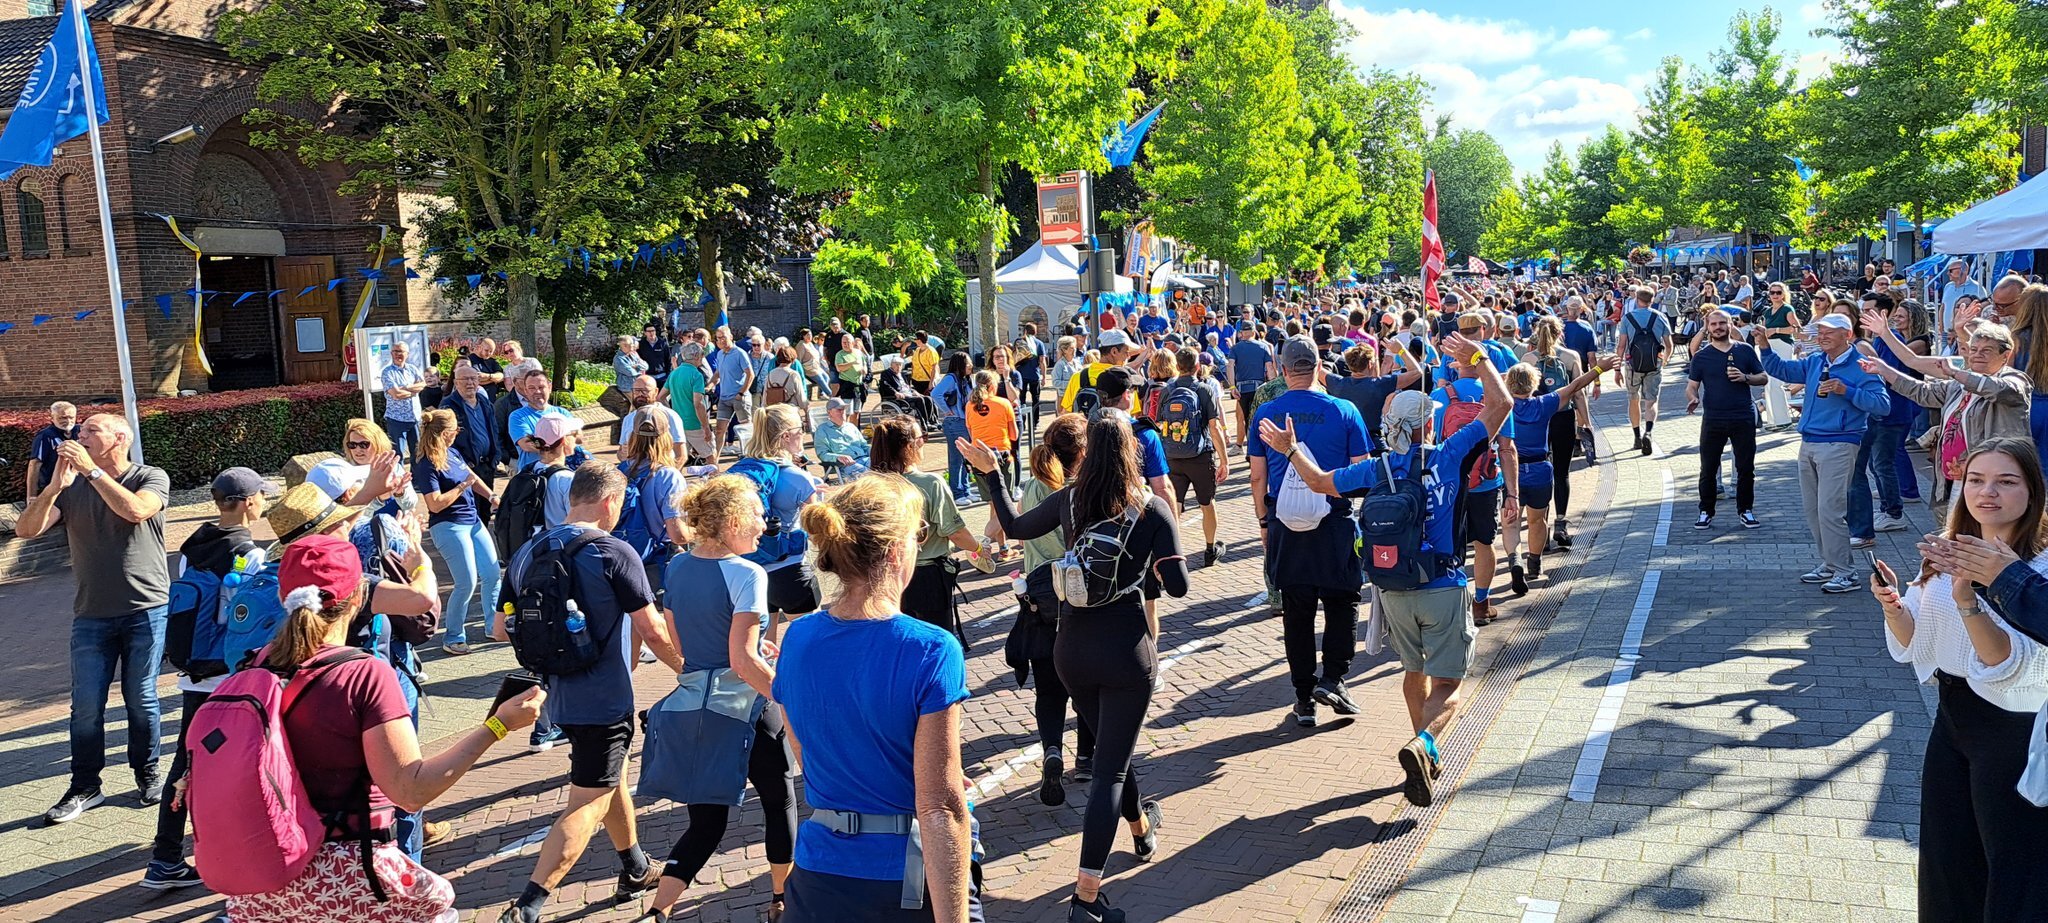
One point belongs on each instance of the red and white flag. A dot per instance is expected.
(1477, 265)
(1432, 244)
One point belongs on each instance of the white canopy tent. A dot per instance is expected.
(2016, 220)
(1042, 285)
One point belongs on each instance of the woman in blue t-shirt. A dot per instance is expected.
(1535, 477)
(450, 491)
(872, 698)
(718, 611)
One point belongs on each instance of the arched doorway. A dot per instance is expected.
(234, 201)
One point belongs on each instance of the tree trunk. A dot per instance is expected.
(559, 330)
(712, 272)
(991, 331)
(522, 301)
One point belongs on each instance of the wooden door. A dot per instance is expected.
(311, 332)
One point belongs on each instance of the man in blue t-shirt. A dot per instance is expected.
(1494, 504)
(1251, 364)
(1311, 559)
(1718, 382)
(1427, 626)
(735, 367)
(594, 709)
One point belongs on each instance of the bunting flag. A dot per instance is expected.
(1432, 244)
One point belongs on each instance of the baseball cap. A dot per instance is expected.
(1112, 338)
(1298, 355)
(336, 476)
(837, 403)
(240, 483)
(1834, 321)
(1323, 334)
(317, 570)
(554, 428)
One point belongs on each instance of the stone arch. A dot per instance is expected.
(226, 185)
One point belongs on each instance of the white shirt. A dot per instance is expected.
(1940, 642)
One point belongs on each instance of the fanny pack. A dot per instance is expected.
(852, 823)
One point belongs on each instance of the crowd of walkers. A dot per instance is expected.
(768, 534)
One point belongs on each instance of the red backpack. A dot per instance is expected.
(1458, 413)
(254, 828)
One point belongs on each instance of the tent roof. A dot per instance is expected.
(2016, 220)
(1040, 263)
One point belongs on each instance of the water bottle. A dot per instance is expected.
(579, 633)
(1017, 583)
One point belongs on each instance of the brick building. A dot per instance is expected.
(176, 145)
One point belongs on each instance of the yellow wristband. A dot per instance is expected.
(1478, 357)
(496, 727)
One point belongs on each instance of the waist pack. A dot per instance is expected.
(850, 823)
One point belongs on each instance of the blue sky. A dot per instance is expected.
(1534, 71)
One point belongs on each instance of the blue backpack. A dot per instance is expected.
(782, 539)
(1391, 523)
(197, 625)
(253, 616)
(646, 530)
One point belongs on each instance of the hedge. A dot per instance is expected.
(194, 438)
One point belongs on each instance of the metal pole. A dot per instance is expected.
(99, 174)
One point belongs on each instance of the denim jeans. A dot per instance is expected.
(472, 567)
(404, 436)
(1909, 479)
(125, 647)
(957, 475)
(1880, 443)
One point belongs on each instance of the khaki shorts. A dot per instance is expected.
(1645, 385)
(700, 444)
(1431, 630)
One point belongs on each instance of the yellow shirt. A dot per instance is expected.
(924, 363)
(1092, 372)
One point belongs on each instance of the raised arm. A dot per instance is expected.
(1037, 521)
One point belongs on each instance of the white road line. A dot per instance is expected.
(1537, 910)
(523, 843)
(1586, 776)
(1664, 513)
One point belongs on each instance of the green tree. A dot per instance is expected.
(1333, 100)
(1662, 172)
(920, 108)
(1471, 170)
(1743, 106)
(1906, 119)
(1548, 194)
(1510, 231)
(542, 122)
(1595, 193)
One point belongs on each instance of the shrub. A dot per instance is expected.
(194, 438)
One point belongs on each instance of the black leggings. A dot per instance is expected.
(1108, 659)
(768, 770)
(1564, 446)
(1031, 392)
(1981, 845)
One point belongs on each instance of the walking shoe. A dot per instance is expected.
(1332, 693)
(1420, 787)
(1559, 537)
(1084, 767)
(1649, 447)
(1706, 521)
(1147, 846)
(75, 802)
(1821, 574)
(1482, 612)
(1050, 792)
(631, 886)
(455, 648)
(1095, 911)
(1886, 522)
(149, 785)
(1215, 552)
(1749, 520)
(1305, 712)
(515, 914)
(1535, 562)
(1518, 579)
(435, 832)
(1864, 542)
(169, 876)
(1842, 583)
(542, 743)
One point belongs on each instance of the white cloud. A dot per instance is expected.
(1589, 41)
(1812, 66)
(1403, 38)
(1640, 35)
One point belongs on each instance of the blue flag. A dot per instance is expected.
(1122, 147)
(51, 109)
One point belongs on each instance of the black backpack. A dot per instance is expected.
(522, 511)
(1643, 346)
(544, 640)
(1183, 421)
(1391, 522)
(1086, 398)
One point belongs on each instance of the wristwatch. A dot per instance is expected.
(1970, 612)
(95, 474)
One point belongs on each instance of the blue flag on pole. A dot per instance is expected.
(51, 109)
(1122, 147)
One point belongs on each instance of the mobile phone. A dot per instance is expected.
(1871, 556)
(513, 686)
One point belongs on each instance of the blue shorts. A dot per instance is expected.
(1537, 482)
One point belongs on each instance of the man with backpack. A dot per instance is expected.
(1413, 557)
(215, 559)
(580, 599)
(1311, 541)
(1081, 396)
(1645, 344)
(1493, 502)
(1191, 430)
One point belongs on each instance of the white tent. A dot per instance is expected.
(1043, 285)
(2017, 220)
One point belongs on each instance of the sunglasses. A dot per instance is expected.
(353, 444)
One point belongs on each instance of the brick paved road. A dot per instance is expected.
(1741, 744)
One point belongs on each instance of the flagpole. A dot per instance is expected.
(99, 175)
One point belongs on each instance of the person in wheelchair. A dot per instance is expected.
(842, 450)
(896, 389)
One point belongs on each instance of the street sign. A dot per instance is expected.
(1065, 214)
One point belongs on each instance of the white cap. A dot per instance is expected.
(1112, 338)
(1835, 321)
(337, 476)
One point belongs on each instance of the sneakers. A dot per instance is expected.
(1749, 520)
(75, 802)
(542, 743)
(1304, 712)
(1050, 792)
(149, 786)
(1886, 522)
(1332, 693)
(1864, 542)
(1559, 538)
(1706, 521)
(455, 648)
(1215, 552)
(1420, 786)
(1842, 583)
(1095, 911)
(1518, 579)
(1535, 562)
(1084, 768)
(169, 876)
(1821, 574)
(1147, 846)
(631, 886)
(647, 655)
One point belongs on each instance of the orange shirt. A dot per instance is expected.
(991, 423)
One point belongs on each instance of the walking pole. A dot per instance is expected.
(99, 175)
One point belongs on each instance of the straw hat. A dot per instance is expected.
(306, 510)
